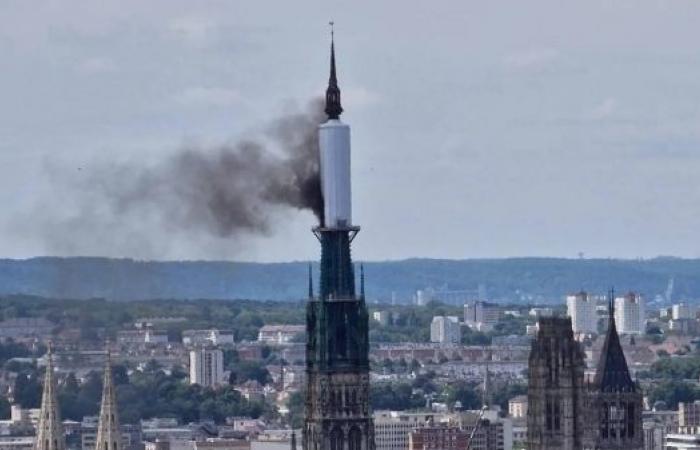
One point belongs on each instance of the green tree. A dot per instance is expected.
(672, 392)
(249, 370)
(463, 392)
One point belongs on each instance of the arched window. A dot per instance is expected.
(337, 439)
(355, 439)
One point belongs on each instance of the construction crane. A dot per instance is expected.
(476, 425)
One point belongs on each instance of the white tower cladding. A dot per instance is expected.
(334, 143)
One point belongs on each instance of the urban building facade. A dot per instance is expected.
(392, 428)
(492, 432)
(517, 407)
(443, 437)
(682, 311)
(689, 417)
(630, 315)
(280, 334)
(581, 307)
(676, 441)
(481, 315)
(445, 330)
(207, 367)
(207, 337)
(654, 436)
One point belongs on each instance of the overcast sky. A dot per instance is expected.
(480, 129)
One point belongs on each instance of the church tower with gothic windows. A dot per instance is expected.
(337, 404)
(564, 413)
(556, 394)
(615, 401)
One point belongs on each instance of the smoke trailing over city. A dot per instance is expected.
(231, 189)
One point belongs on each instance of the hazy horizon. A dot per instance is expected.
(479, 130)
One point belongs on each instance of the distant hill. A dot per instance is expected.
(514, 279)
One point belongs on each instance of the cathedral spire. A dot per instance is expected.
(49, 434)
(333, 108)
(611, 307)
(108, 432)
(612, 373)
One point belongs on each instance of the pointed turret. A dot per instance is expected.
(49, 432)
(108, 434)
(612, 373)
(311, 282)
(333, 108)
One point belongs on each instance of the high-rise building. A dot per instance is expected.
(581, 307)
(49, 430)
(481, 315)
(338, 414)
(391, 428)
(207, 367)
(445, 330)
(555, 394)
(682, 311)
(630, 315)
(614, 409)
(108, 430)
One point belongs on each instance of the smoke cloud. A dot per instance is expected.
(227, 190)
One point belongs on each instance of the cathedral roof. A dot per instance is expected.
(612, 373)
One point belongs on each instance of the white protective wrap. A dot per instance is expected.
(334, 144)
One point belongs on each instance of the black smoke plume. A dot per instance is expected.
(231, 189)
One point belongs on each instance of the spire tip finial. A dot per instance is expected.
(333, 108)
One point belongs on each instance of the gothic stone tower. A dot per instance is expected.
(615, 401)
(108, 432)
(49, 431)
(555, 389)
(338, 415)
